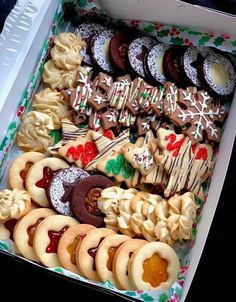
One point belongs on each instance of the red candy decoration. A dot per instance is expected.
(54, 237)
(108, 134)
(85, 152)
(173, 144)
(202, 153)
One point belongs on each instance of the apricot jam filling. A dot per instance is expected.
(155, 270)
(111, 254)
(72, 247)
(24, 172)
(31, 229)
(54, 237)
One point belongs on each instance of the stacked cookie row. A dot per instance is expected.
(98, 254)
(117, 52)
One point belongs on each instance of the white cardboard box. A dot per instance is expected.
(133, 9)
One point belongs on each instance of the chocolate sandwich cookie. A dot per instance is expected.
(118, 51)
(87, 31)
(60, 186)
(193, 57)
(137, 51)
(100, 50)
(84, 199)
(219, 74)
(172, 66)
(154, 62)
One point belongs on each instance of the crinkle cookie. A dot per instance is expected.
(66, 53)
(52, 103)
(34, 132)
(14, 204)
(58, 78)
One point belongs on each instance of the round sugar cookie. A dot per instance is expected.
(47, 236)
(105, 255)
(121, 262)
(87, 250)
(153, 266)
(25, 229)
(68, 243)
(20, 167)
(39, 176)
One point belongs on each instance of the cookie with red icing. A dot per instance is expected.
(60, 186)
(84, 199)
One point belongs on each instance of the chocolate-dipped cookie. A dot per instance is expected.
(137, 51)
(60, 186)
(84, 199)
(154, 62)
(100, 50)
(193, 57)
(118, 51)
(219, 74)
(87, 31)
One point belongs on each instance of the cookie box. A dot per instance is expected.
(24, 79)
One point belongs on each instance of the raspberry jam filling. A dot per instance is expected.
(54, 237)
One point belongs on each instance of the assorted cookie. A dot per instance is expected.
(122, 135)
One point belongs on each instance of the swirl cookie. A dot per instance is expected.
(24, 231)
(66, 52)
(68, 243)
(60, 186)
(87, 250)
(47, 236)
(34, 132)
(20, 167)
(84, 199)
(121, 261)
(52, 103)
(154, 265)
(105, 255)
(14, 204)
(39, 176)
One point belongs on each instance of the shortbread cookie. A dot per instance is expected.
(39, 176)
(87, 250)
(60, 186)
(52, 103)
(68, 243)
(47, 236)
(20, 167)
(154, 265)
(59, 78)
(34, 132)
(84, 199)
(105, 255)
(66, 52)
(14, 204)
(121, 261)
(24, 231)
(7, 228)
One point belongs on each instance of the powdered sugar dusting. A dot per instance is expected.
(57, 188)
